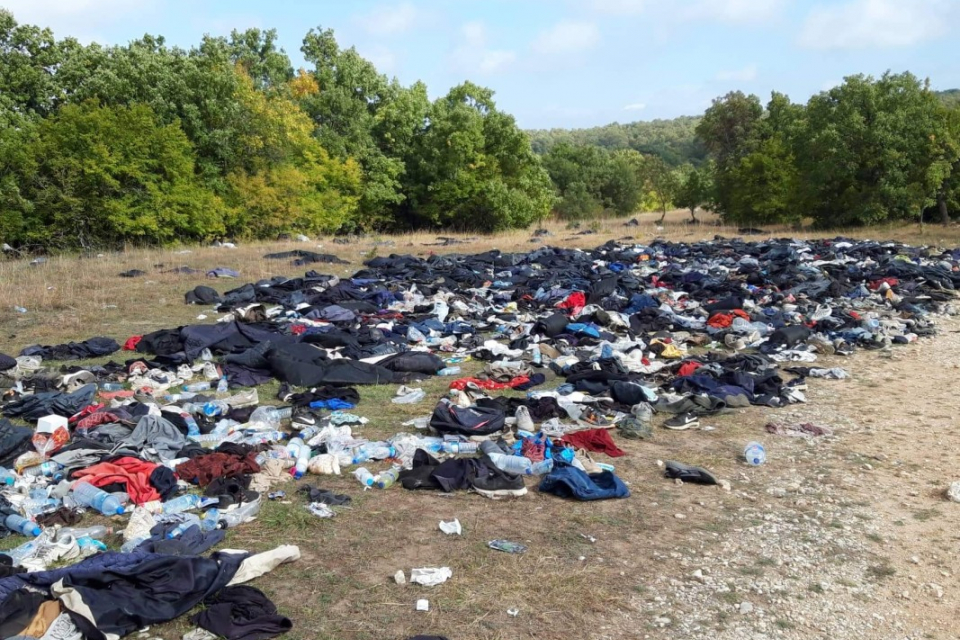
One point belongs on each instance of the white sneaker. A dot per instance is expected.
(524, 421)
(210, 371)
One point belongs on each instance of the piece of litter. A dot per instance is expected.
(423, 605)
(506, 545)
(202, 316)
(400, 578)
(590, 539)
(430, 576)
(320, 510)
(451, 528)
(513, 612)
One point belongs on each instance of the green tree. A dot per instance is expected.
(695, 189)
(873, 150)
(106, 175)
(663, 182)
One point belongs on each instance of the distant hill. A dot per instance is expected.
(672, 140)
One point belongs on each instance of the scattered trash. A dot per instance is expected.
(507, 546)
(430, 577)
(589, 539)
(514, 612)
(400, 578)
(20, 309)
(954, 491)
(320, 510)
(755, 454)
(202, 316)
(423, 605)
(687, 473)
(451, 528)
(277, 495)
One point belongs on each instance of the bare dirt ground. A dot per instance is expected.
(843, 537)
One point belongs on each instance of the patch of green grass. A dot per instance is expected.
(783, 623)
(730, 597)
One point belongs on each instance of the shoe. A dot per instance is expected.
(524, 421)
(688, 473)
(304, 417)
(593, 417)
(683, 422)
(495, 484)
(734, 342)
(799, 384)
(184, 372)
(820, 313)
(210, 371)
(589, 466)
(245, 398)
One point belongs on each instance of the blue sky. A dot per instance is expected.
(571, 63)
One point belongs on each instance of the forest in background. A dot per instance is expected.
(153, 144)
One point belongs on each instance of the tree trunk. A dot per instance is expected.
(662, 216)
(693, 214)
(942, 204)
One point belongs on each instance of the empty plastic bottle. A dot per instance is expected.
(193, 429)
(364, 476)
(223, 386)
(542, 468)
(511, 464)
(460, 447)
(271, 417)
(215, 408)
(23, 526)
(308, 432)
(415, 335)
(111, 386)
(537, 356)
(410, 398)
(24, 551)
(449, 371)
(299, 449)
(246, 512)
(755, 454)
(98, 532)
(386, 479)
(190, 520)
(7, 477)
(196, 387)
(90, 496)
(181, 504)
(49, 469)
(373, 451)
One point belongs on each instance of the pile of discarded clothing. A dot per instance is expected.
(175, 439)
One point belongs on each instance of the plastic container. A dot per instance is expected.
(7, 477)
(24, 551)
(386, 479)
(90, 496)
(183, 503)
(190, 520)
(245, 513)
(511, 464)
(23, 526)
(215, 408)
(364, 476)
(270, 417)
(197, 387)
(111, 386)
(98, 532)
(193, 429)
(755, 454)
(460, 447)
(50, 469)
(537, 356)
(299, 449)
(373, 451)
(223, 386)
(410, 398)
(449, 371)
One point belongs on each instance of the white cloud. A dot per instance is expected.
(636, 106)
(386, 19)
(746, 74)
(734, 11)
(382, 58)
(567, 37)
(864, 24)
(473, 54)
(618, 7)
(81, 19)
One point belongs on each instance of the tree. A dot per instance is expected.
(106, 175)
(873, 150)
(695, 189)
(663, 182)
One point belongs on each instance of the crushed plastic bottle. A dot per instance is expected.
(193, 429)
(415, 335)
(215, 408)
(299, 450)
(90, 496)
(49, 469)
(412, 397)
(97, 532)
(449, 371)
(755, 454)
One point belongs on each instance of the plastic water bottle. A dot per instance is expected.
(90, 496)
(373, 451)
(111, 386)
(299, 449)
(98, 532)
(223, 386)
(537, 356)
(215, 408)
(364, 476)
(181, 504)
(190, 520)
(245, 513)
(23, 526)
(309, 432)
(193, 429)
(272, 417)
(410, 398)
(7, 477)
(449, 371)
(606, 351)
(50, 469)
(511, 464)
(273, 454)
(133, 543)
(415, 335)
(755, 454)
(386, 479)
(459, 447)
(24, 551)
(197, 387)
(542, 468)
(210, 520)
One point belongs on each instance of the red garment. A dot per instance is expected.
(687, 368)
(86, 411)
(875, 284)
(597, 440)
(461, 383)
(297, 329)
(131, 343)
(723, 320)
(202, 470)
(574, 302)
(131, 472)
(96, 419)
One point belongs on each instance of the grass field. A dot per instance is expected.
(589, 565)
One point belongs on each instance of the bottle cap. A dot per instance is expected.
(120, 511)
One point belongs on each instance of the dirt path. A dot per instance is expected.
(847, 537)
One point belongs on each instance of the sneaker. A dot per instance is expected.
(524, 421)
(184, 372)
(304, 417)
(245, 398)
(496, 484)
(682, 422)
(210, 371)
(586, 462)
(593, 417)
(793, 395)
(734, 342)
(688, 473)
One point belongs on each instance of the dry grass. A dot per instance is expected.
(564, 586)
